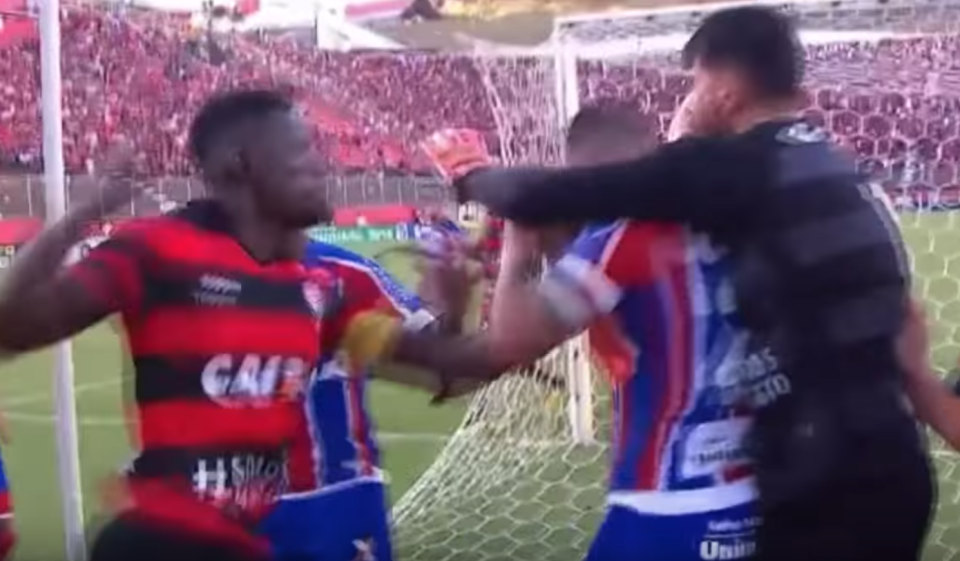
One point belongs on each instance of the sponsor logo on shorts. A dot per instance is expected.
(712, 447)
(727, 549)
(729, 538)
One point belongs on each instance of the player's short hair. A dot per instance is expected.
(222, 114)
(612, 124)
(759, 41)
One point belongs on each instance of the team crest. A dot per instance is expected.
(314, 295)
(292, 385)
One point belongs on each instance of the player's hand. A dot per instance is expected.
(913, 345)
(113, 183)
(457, 152)
(447, 280)
(699, 114)
(684, 119)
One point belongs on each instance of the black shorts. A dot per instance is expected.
(852, 522)
(132, 539)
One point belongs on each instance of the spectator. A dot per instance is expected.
(143, 73)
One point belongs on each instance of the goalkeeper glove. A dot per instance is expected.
(457, 152)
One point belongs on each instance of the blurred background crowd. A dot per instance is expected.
(143, 74)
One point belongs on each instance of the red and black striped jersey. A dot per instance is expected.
(222, 347)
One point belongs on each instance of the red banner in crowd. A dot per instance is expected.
(374, 215)
(15, 231)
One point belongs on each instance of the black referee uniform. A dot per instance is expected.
(820, 279)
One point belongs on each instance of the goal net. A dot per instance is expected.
(524, 474)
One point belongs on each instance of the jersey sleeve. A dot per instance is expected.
(588, 281)
(367, 287)
(380, 290)
(371, 306)
(708, 183)
(113, 270)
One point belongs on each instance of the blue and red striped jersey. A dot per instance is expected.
(338, 442)
(663, 324)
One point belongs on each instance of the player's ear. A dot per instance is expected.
(234, 163)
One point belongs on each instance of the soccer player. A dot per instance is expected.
(819, 274)
(336, 508)
(681, 485)
(596, 134)
(219, 319)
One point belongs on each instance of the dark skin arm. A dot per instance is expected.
(39, 305)
(417, 356)
(441, 349)
(367, 319)
(522, 327)
(415, 373)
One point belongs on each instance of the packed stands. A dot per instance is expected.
(143, 74)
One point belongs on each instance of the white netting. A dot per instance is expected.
(513, 479)
(511, 483)
(523, 477)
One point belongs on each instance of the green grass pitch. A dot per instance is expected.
(412, 431)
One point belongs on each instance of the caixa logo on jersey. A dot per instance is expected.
(253, 380)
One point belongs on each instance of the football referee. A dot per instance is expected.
(819, 277)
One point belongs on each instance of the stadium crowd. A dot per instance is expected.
(143, 74)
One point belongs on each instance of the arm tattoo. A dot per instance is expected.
(528, 271)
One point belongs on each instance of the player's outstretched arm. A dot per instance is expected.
(372, 307)
(698, 181)
(531, 318)
(705, 182)
(933, 402)
(449, 364)
(40, 302)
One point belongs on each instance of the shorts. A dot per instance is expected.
(350, 522)
(852, 521)
(129, 537)
(628, 535)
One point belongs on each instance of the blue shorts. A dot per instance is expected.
(628, 535)
(349, 523)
